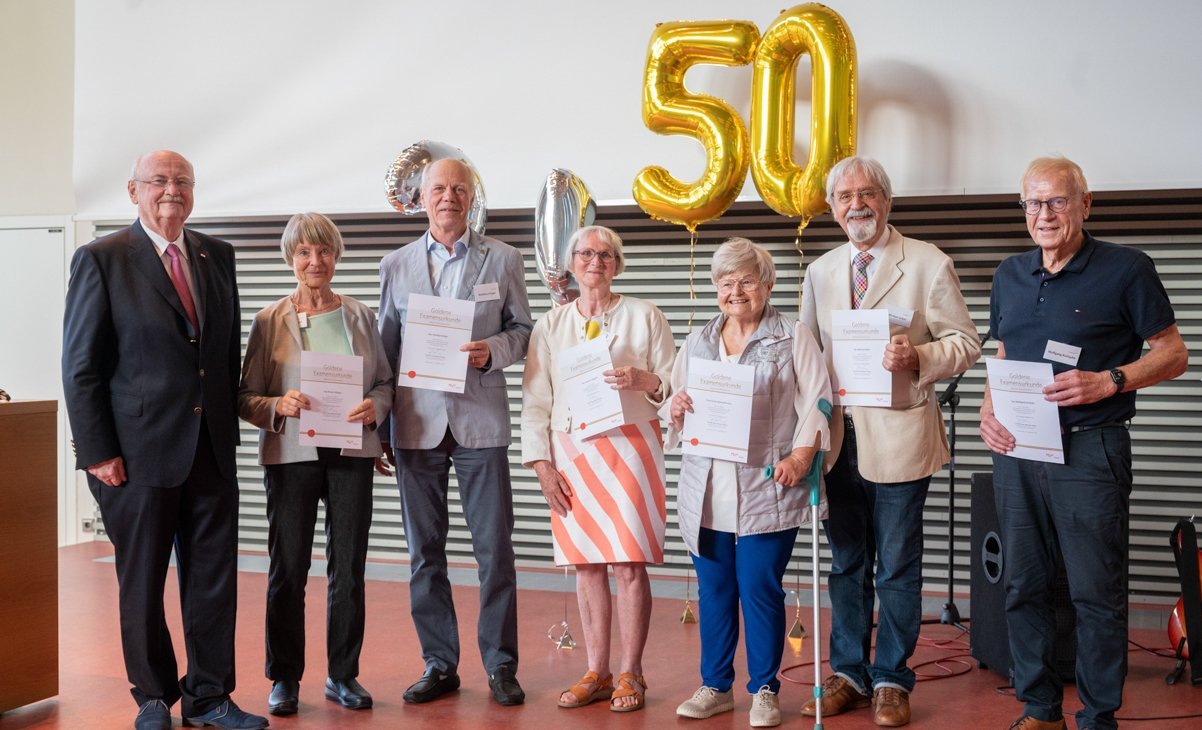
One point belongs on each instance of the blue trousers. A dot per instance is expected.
(486, 494)
(1082, 506)
(874, 529)
(746, 570)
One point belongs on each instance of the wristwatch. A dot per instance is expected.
(1119, 379)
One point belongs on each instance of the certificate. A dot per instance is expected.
(720, 424)
(594, 405)
(1016, 388)
(858, 339)
(334, 386)
(435, 329)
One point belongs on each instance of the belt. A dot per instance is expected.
(1094, 427)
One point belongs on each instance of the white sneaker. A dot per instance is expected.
(765, 708)
(707, 702)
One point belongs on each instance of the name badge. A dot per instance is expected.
(486, 292)
(1060, 352)
(302, 318)
(901, 316)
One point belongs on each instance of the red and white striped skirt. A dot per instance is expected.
(618, 502)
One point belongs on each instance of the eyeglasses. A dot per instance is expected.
(586, 255)
(728, 285)
(1032, 206)
(867, 195)
(180, 183)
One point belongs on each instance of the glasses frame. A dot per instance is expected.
(746, 285)
(180, 183)
(1058, 204)
(867, 195)
(587, 254)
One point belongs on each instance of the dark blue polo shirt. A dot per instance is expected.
(1107, 300)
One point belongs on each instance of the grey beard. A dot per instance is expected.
(860, 230)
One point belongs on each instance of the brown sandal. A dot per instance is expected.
(602, 689)
(629, 686)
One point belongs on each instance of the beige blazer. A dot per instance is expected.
(272, 367)
(907, 441)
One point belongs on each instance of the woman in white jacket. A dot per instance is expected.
(606, 492)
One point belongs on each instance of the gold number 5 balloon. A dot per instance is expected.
(669, 108)
(815, 29)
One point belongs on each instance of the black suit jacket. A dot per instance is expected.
(138, 382)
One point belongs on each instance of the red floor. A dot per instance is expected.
(94, 693)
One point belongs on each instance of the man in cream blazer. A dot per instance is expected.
(876, 493)
(431, 430)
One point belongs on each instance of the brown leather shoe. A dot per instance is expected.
(838, 695)
(1026, 722)
(890, 707)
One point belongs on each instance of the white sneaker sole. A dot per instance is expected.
(704, 714)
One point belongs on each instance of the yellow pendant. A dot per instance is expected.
(592, 330)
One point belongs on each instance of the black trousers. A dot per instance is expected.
(199, 518)
(343, 484)
(1082, 507)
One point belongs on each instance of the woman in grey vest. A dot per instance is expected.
(740, 520)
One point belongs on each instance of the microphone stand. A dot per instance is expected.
(950, 616)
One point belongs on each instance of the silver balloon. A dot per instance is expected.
(402, 183)
(564, 207)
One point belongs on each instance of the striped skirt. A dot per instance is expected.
(618, 503)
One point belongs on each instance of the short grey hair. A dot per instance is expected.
(1056, 165)
(471, 178)
(738, 254)
(314, 229)
(607, 236)
(865, 165)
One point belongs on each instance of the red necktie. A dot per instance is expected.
(181, 287)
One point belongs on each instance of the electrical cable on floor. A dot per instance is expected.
(961, 658)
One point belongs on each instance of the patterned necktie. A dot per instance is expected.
(181, 287)
(861, 278)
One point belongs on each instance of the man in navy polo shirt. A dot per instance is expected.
(1103, 301)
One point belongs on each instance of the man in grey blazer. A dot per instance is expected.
(882, 459)
(432, 430)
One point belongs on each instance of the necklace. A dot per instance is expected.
(592, 327)
(318, 309)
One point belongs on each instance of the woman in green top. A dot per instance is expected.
(299, 474)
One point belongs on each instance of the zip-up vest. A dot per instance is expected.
(764, 505)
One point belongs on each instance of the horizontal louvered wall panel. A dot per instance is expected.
(977, 231)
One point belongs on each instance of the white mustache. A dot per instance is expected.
(861, 213)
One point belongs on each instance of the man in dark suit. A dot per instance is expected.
(151, 344)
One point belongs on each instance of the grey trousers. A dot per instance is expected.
(486, 494)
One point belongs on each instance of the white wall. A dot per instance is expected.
(37, 64)
(292, 105)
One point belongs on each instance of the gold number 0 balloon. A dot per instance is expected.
(820, 31)
(669, 108)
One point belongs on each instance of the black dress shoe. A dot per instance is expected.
(348, 693)
(505, 688)
(153, 715)
(431, 686)
(284, 698)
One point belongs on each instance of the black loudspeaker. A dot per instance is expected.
(989, 642)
